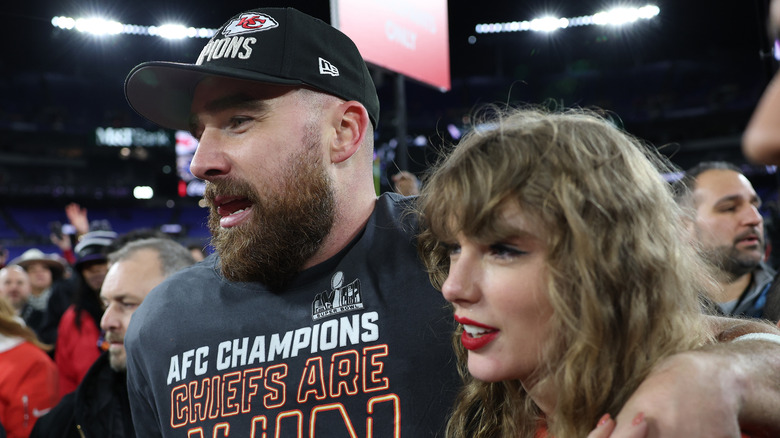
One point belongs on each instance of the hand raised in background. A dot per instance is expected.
(77, 217)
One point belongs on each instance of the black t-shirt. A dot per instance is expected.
(356, 346)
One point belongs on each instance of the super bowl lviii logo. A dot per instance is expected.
(339, 299)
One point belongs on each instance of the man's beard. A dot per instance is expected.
(287, 225)
(731, 261)
(116, 359)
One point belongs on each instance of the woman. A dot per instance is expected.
(563, 253)
(78, 336)
(28, 376)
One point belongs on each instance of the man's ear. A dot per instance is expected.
(350, 132)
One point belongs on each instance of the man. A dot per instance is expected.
(729, 228)
(315, 317)
(15, 287)
(406, 183)
(99, 407)
(43, 270)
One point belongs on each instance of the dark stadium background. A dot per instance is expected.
(686, 81)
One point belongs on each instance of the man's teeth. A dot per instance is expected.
(237, 211)
(474, 331)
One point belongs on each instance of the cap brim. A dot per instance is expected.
(51, 264)
(162, 91)
(90, 258)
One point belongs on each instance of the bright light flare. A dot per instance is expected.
(549, 24)
(143, 192)
(649, 11)
(63, 22)
(615, 17)
(98, 26)
(172, 31)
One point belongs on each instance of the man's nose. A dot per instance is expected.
(209, 160)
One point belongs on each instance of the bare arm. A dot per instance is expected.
(761, 141)
(712, 392)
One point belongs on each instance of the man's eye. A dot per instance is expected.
(235, 122)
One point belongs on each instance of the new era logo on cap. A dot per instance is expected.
(326, 68)
(252, 22)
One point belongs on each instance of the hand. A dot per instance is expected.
(688, 395)
(606, 425)
(62, 241)
(78, 218)
(406, 183)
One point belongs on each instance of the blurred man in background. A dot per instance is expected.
(100, 407)
(15, 287)
(729, 228)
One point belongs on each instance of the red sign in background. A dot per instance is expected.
(408, 37)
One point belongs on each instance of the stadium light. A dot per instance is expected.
(620, 16)
(143, 192)
(172, 31)
(100, 26)
(614, 17)
(548, 24)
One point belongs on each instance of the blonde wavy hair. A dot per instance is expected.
(622, 278)
(11, 326)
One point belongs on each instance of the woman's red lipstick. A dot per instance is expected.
(476, 341)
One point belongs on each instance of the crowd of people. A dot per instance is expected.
(542, 281)
(53, 306)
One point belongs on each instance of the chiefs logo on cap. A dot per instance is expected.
(249, 22)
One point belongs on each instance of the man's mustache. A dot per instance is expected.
(753, 232)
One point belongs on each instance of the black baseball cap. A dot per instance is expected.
(92, 247)
(272, 45)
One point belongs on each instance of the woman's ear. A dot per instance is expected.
(350, 132)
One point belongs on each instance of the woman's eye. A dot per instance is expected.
(505, 251)
(451, 248)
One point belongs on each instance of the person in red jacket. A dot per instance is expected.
(78, 332)
(28, 376)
